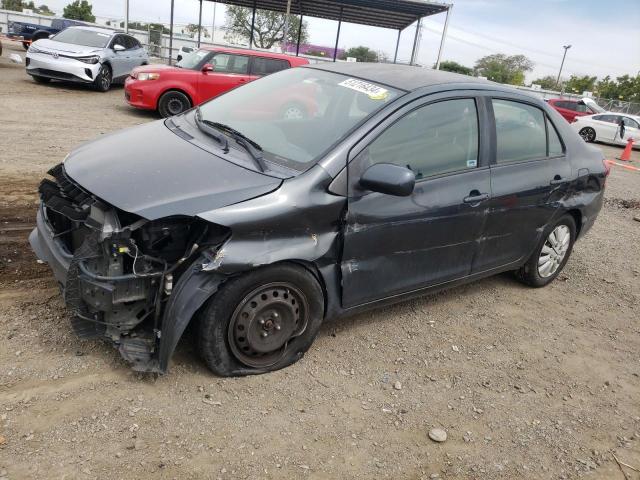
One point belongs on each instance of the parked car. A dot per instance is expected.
(406, 181)
(200, 76)
(609, 127)
(87, 55)
(571, 109)
(182, 52)
(30, 32)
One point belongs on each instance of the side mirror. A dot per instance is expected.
(118, 48)
(178, 58)
(207, 67)
(389, 179)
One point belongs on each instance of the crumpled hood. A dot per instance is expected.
(65, 48)
(150, 171)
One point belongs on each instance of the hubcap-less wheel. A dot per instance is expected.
(293, 112)
(588, 134)
(554, 250)
(175, 106)
(263, 324)
(104, 79)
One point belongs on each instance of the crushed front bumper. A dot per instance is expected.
(61, 68)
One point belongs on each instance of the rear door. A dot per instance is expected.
(230, 71)
(261, 66)
(529, 174)
(396, 244)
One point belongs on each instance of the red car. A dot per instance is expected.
(570, 109)
(202, 75)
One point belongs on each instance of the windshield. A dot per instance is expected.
(297, 114)
(192, 61)
(78, 36)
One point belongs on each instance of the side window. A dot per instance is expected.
(555, 145)
(119, 40)
(520, 132)
(431, 140)
(265, 66)
(581, 107)
(221, 62)
(629, 123)
(598, 117)
(240, 64)
(132, 43)
(227, 63)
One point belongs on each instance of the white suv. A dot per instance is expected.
(87, 55)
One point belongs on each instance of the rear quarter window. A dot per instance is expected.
(266, 66)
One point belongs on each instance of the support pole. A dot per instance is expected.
(286, 27)
(414, 51)
(299, 35)
(126, 16)
(335, 50)
(200, 23)
(395, 56)
(444, 37)
(170, 33)
(213, 24)
(253, 22)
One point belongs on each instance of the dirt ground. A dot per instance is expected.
(528, 383)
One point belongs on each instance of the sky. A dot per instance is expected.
(604, 34)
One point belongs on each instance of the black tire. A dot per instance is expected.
(228, 334)
(588, 134)
(173, 103)
(39, 79)
(529, 273)
(25, 45)
(103, 80)
(293, 111)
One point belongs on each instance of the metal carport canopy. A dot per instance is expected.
(395, 14)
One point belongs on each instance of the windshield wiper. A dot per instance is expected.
(207, 128)
(253, 149)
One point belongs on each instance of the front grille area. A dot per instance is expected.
(66, 207)
(54, 74)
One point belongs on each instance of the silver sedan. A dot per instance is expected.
(89, 55)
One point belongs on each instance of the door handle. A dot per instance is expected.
(476, 197)
(557, 180)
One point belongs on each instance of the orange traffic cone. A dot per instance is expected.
(626, 153)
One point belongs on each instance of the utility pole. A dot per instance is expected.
(286, 27)
(213, 25)
(566, 47)
(126, 16)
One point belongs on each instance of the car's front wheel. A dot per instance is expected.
(551, 254)
(261, 321)
(588, 134)
(102, 82)
(173, 103)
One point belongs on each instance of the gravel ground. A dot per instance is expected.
(527, 383)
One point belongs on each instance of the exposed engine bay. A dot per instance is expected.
(122, 268)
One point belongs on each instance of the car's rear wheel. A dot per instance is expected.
(39, 79)
(261, 321)
(551, 255)
(588, 134)
(102, 82)
(173, 103)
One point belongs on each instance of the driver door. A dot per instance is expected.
(393, 244)
(229, 71)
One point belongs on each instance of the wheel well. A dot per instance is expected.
(577, 216)
(173, 90)
(40, 35)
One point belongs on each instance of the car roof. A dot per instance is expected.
(245, 51)
(94, 29)
(403, 77)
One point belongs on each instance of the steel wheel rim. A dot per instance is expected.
(174, 105)
(264, 323)
(554, 251)
(293, 113)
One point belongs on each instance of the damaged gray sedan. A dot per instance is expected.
(258, 226)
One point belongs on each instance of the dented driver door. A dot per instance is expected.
(393, 244)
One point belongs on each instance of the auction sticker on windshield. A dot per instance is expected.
(374, 92)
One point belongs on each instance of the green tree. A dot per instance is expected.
(504, 68)
(45, 10)
(79, 10)
(628, 88)
(268, 27)
(15, 5)
(578, 85)
(193, 28)
(455, 67)
(362, 54)
(548, 82)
